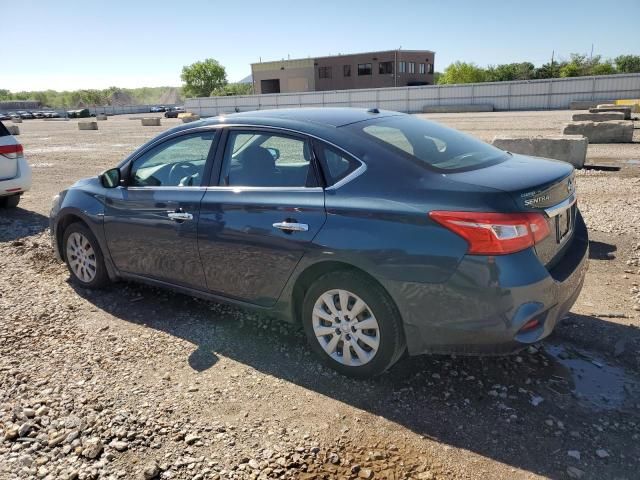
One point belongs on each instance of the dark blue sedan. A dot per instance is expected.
(379, 232)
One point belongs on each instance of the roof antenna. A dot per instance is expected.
(373, 110)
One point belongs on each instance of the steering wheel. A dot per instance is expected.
(180, 170)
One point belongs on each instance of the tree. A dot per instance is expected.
(510, 71)
(461, 72)
(628, 63)
(202, 78)
(233, 89)
(605, 68)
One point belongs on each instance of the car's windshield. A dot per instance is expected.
(430, 143)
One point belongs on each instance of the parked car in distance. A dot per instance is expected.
(15, 172)
(80, 113)
(379, 232)
(51, 114)
(160, 108)
(25, 115)
(5, 116)
(173, 112)
(38, 114)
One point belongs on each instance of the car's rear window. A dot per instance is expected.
(430, 143)
(3, 130)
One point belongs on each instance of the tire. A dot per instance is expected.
(89, 270)
(383, 342)
(10, 202)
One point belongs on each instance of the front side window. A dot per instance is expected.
(429, 143)
(364, 69)
(412, 67)
(178, 162)
(324, 72)
(346, 70)
(385, 68)
(402, 67)
(264, 159)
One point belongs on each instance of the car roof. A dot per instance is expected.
(323, 122)
(328, 116)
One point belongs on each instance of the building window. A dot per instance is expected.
(346, 70)
(402, 67)
(412, 67)
(421, 69)
(430, 67)
(324, 72)
(364, 69)
(385, 68)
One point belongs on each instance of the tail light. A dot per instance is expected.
(495, 233)
(11, 151)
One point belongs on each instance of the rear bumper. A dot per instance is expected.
(483, 306)
(18, 184)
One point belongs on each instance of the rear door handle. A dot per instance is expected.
(179, 216)
(292, 226)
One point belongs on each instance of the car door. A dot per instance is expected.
(151, 222)
(257, 223)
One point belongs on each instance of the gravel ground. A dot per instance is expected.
(137, 382)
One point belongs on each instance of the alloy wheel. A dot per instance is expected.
(345, 327)
(81, 257)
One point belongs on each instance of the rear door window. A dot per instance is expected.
(265, 159)
(3, 130)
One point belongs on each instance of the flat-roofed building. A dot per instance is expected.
(389, 68)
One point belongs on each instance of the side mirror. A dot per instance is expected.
(275, 153)
(110, 178)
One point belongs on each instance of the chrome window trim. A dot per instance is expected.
(240, 189)
(562, 206)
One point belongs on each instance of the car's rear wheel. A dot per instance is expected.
(10, 202)
(84, 257)
(352, 324)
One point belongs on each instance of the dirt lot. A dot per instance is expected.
(136, 382)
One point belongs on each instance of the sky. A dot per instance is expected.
(69, 44)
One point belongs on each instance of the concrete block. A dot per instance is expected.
(88, 125)
(101, 117)
(16, 120)
(613, 108)
(189, 118)
(568, 148)
(586, 104)
(614, 131)
(480, 107)
(13, 129)
(597, 117)
(150, 122)
(605, 105)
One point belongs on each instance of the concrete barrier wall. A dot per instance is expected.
(602, 132)
(548, 94)
(485, 107)
(568, 148)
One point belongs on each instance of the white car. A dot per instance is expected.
(15, 173)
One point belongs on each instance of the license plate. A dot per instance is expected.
(563, 225)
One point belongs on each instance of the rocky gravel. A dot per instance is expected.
(141, 383)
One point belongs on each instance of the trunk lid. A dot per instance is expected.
(8, 161)
(535, 185)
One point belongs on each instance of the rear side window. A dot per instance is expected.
(335, 164)
(430, 143)
(265, 159)
(3, 130)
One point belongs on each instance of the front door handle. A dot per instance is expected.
(292, 226)
(179, 216)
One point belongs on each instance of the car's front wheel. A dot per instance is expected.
(352, 324)
(84, 257)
